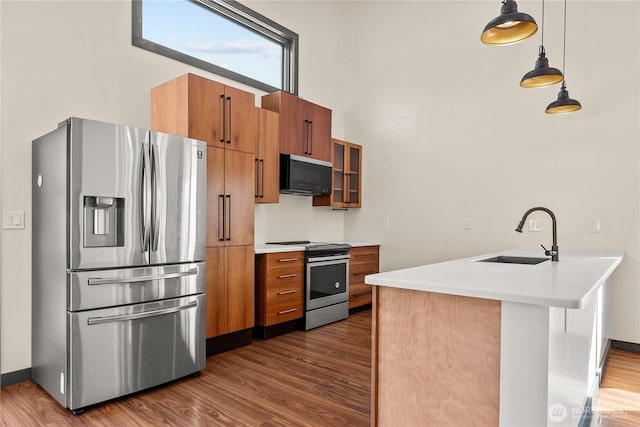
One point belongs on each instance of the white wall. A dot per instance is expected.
(440, 143)
(448, 134)
(75, 58)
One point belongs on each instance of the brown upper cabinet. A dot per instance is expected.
(267, 157)
(207, 110)
(346, 189)
(305, 128)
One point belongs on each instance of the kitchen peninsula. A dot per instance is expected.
(470, 342)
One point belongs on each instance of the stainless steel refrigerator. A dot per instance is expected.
(118, 249)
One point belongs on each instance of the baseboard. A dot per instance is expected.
(15, 377)
(227, 342)
(266, 332)
(360, 308)
(626, 346)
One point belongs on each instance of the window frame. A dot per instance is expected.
(245, 17)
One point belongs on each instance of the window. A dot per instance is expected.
(220, 36)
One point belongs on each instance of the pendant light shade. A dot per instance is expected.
(510, 27)
(542, 74)
(563, 104)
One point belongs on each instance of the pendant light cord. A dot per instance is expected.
(564, 42)
(542, 26)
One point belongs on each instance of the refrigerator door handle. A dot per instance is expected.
(155, 228)
(117, 280)
(143, 315)
(145, 184)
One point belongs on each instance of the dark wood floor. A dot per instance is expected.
(316, 378)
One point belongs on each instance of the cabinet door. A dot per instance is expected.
(239, 210)
(215, 292)
(239, 288)
(339, 161)
(205, 100)
(268, 159)
(241, 123)
(353, 178)
(293, 128)
(215, 196)
(319, 146)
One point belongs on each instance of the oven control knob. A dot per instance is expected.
(337, 285)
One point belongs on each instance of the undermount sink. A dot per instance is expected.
(505, 259)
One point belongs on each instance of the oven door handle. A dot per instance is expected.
(328, 258)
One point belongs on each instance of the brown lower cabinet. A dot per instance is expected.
(230, 290)
(364, 260)
(279, 287)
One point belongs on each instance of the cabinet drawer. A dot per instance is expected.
(363, 254)
(276, 292)
(358, 271)
(283, 311)
(285, 259)
(278, 276)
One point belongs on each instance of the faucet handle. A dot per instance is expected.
(548, 252)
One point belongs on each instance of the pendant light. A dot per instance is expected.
(564, 104)
(542, 74)
(510, 27)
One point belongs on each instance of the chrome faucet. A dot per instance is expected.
(554, 246)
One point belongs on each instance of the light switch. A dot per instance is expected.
(13, 220)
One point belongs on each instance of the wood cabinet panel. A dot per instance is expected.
(364, 260)
(239, 288)
(305, 128)
(268, 157)
(283, 276)
(282, 259)
(242, 124)
(239, 200)
(215, 260)
(215, 196)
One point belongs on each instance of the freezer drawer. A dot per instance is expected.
(108, 288)
(121, 350)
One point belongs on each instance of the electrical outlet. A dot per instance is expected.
(385, 222)
(535, 225)
(13, 220)
(467, 224)
(595, 225)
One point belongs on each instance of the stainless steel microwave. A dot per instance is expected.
(304, 176)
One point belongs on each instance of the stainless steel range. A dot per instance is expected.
(326, 282)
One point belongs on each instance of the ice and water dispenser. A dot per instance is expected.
(103, 221)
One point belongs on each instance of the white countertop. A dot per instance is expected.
(265, 248)
(567, 283)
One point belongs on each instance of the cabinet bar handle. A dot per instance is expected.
(257, 179)
(229, 217)
(292, 291)
(221, 218)
(287, 259)
(223, 122)
(262, 178)
(310, 137)
(291, 310)
(306, 136)
(284, 276)
(229, 116)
